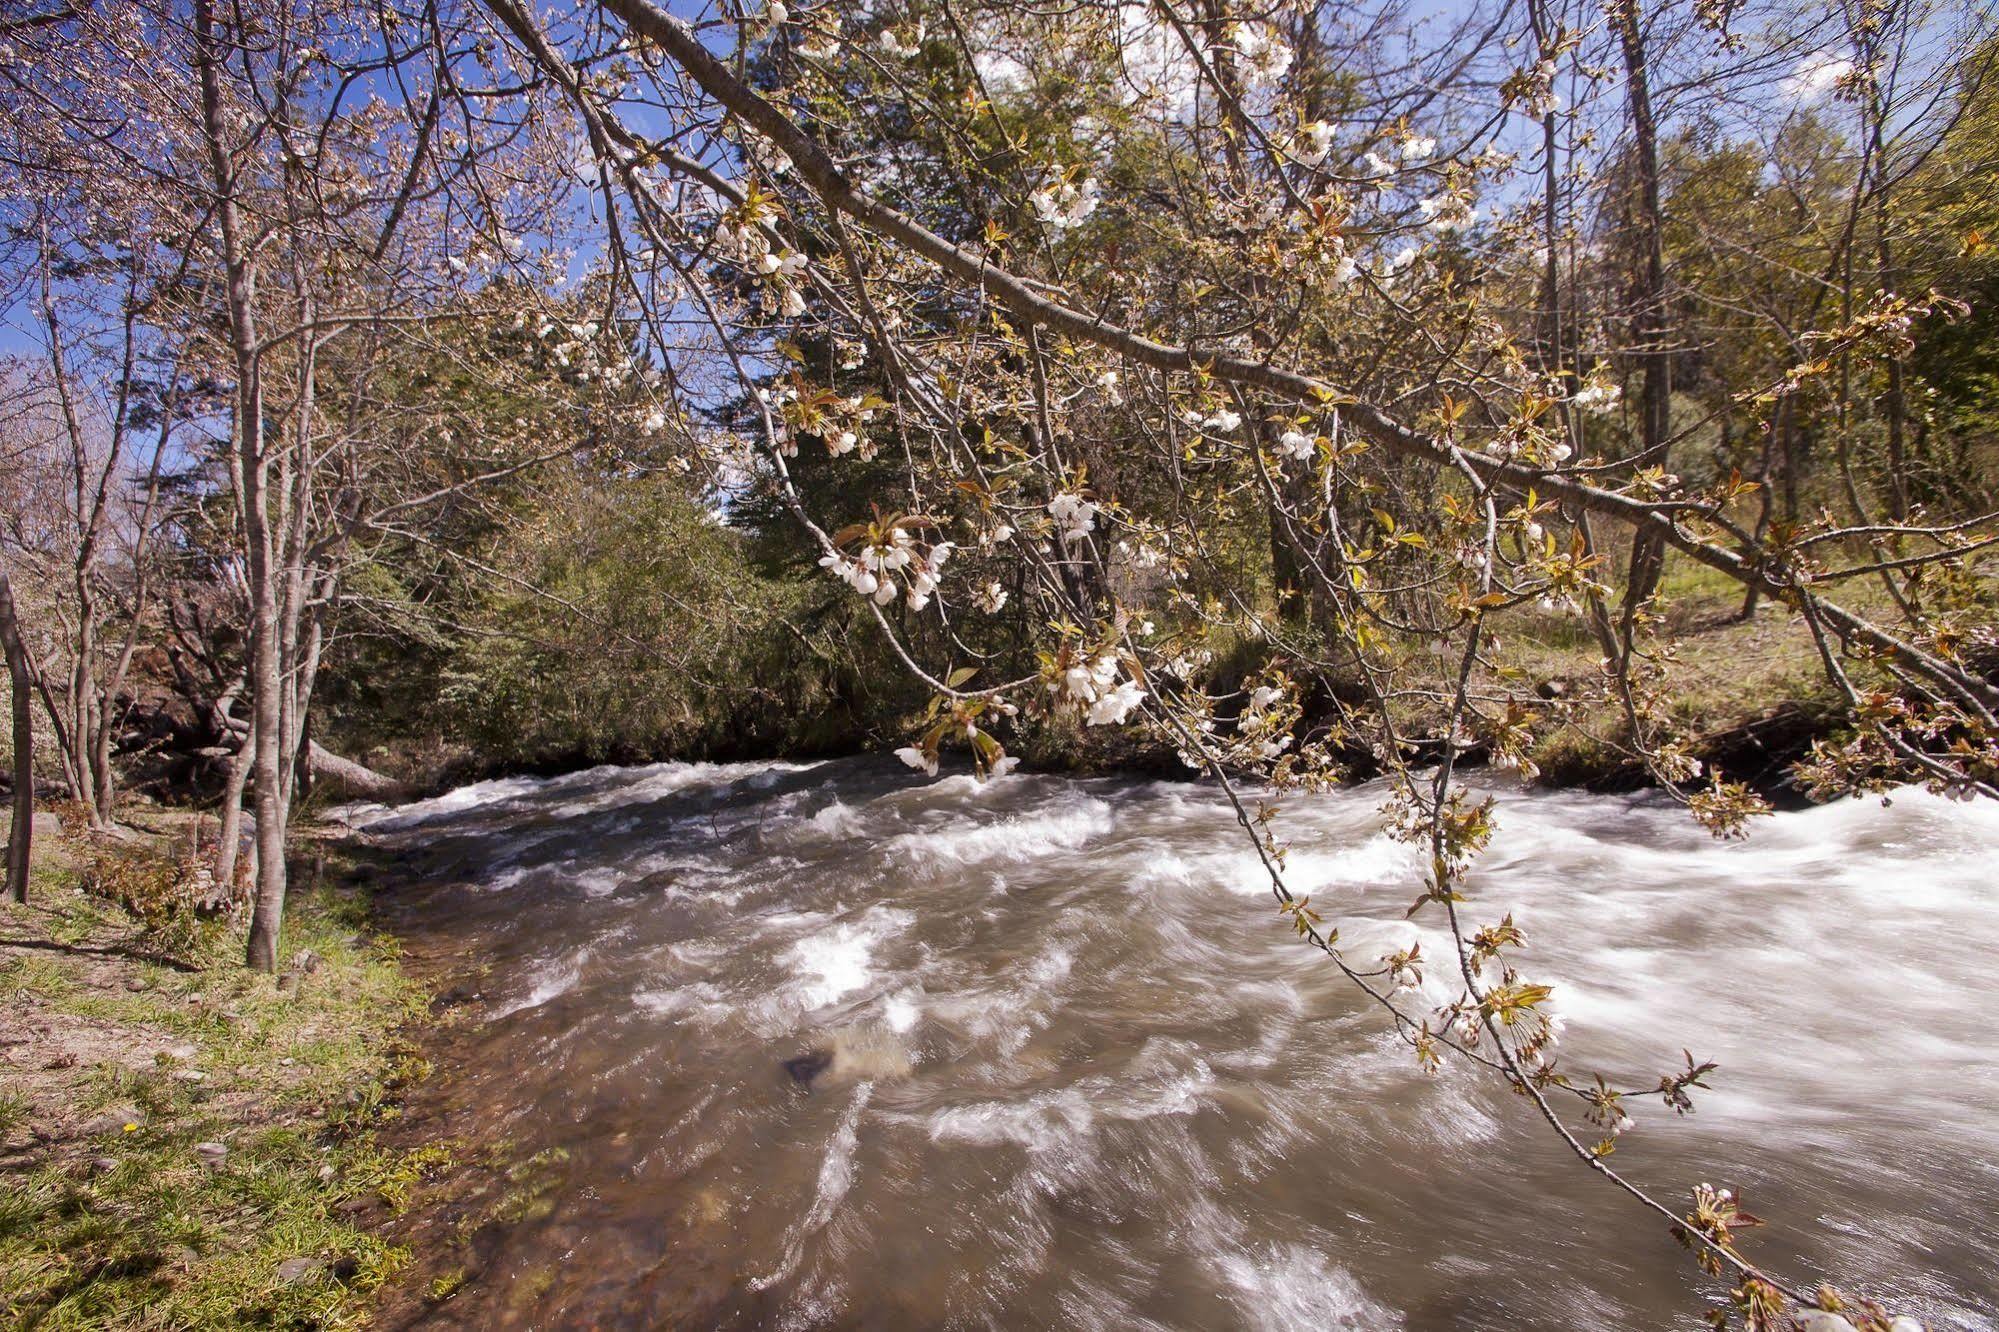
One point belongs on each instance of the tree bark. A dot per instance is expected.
(230, 838)
(252, 465)
(1648, 548)
(21, 830)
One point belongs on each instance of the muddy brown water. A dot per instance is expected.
(832, 1046)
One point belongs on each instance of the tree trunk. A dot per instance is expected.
(230, 838)
(253, 471)
(1648, 548)
(21, 830)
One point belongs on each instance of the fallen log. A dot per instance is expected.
(350, 777)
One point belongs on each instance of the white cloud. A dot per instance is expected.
(1815, 76)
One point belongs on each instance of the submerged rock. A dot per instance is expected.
(804, 1068)
(857, 1054)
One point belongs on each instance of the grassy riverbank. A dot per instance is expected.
(183, 1143)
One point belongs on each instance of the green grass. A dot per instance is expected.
(122, 1227)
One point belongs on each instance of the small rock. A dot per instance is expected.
(103, 1165)
(135, 984)
(454, 997)
(190, 1075)
(114, 1120)
(286, 1062)
(211, 1153)
(299, 1271)
(326, 1173)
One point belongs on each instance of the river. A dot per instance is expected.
(834, 1046)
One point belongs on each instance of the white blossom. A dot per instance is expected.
(1445, 213)
(1265, 56)
(1818, 1320)
(1064, 204)
(891, 43)
(1598, 398)
(1313, 143)
(1400, 261)
(916, 758)
(1296, 444)
(1074, 516)
(1113, 707)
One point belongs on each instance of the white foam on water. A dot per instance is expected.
(1289, 1287)
(1067, 827)
(548, 981)
(836, 961)
(1156, 1084)
(605, 787)
(656, 781)
(901, 1010)
(396, 818)
(836, 1177)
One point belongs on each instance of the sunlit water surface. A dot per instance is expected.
(1073, 1072)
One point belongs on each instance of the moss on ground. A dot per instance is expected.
(184, 1144)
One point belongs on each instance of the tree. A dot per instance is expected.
(1447, 457)
(21, 827)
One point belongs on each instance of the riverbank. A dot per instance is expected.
(184, 1143)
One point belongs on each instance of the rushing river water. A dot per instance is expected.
(832, 1046)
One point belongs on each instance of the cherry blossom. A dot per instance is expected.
(1074, 516)
(1062, 205)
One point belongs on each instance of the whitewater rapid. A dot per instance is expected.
(830, 1045)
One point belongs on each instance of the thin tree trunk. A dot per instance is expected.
(1648, 548)
(21, 830)
(253, 478)
(231, 835)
